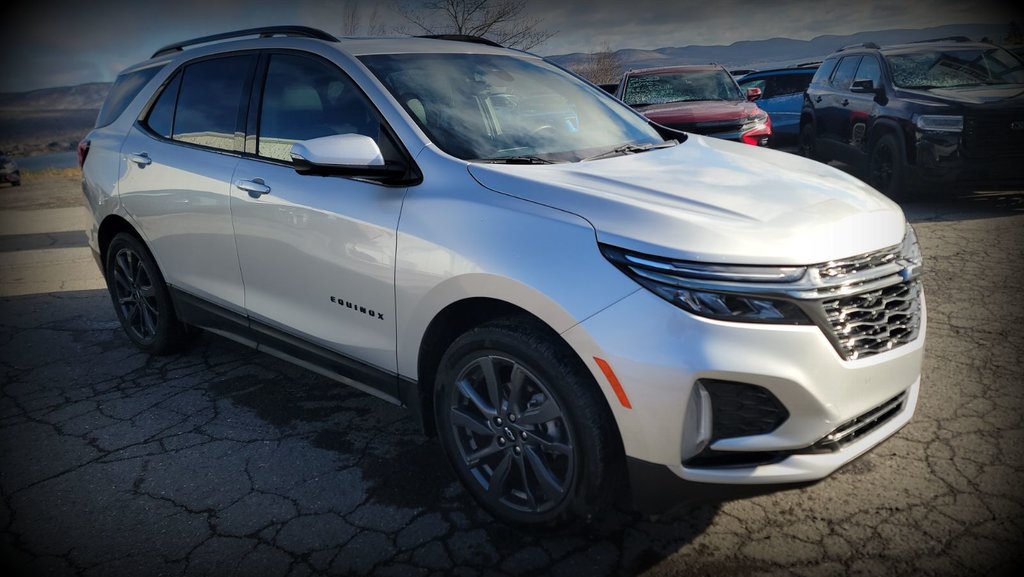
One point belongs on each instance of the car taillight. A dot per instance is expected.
(83, 151)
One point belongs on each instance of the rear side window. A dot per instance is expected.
(125, 89)
(212, 102)
(824, 72)
(790, 84)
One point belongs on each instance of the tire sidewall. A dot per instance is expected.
(895, 189)
(167, 325)
(562, 382)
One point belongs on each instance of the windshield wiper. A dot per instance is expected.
(630, 149)
(515, 160)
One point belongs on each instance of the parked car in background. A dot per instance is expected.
(921, 116)
(703, 99)
(9, 171)
(782, 97)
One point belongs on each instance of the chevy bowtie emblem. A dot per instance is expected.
(1017, 125)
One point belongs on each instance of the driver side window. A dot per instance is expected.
(306, 98)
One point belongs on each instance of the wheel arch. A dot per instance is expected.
(112, 225)
(884, 126)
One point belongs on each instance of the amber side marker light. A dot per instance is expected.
(616, 385)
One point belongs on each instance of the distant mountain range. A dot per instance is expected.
(783, 51)
(52, 119)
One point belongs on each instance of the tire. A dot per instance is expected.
(887, 167)
(140, 297)
(531, 457)
(16, 183)
(807, 142)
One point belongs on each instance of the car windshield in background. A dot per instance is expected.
(688, 86)
(953, 68)
(503, 108)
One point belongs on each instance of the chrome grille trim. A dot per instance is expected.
(876, 321)
(859, 426)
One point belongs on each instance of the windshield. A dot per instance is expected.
(689, 86)
(493, 107)
(952, 68)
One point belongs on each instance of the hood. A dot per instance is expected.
(709, 200)
(1010, 95)
(700, 111)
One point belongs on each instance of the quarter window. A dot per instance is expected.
(306, 98)
(125, 89)
(212, 102)
(161, 116)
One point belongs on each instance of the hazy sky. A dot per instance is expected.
(65, 42)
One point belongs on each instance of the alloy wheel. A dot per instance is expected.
(136, 295)
(511, 435)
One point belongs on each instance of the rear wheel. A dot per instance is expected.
(524, 428)
(140, 297)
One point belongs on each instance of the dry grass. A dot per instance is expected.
(73, 173)
(41, 189)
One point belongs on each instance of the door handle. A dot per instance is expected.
(817, 98)
(140, 158)
(846, 101)
(255, 187)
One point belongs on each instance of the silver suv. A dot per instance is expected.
(573, 299)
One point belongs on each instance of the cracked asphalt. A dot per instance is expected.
(222, 461)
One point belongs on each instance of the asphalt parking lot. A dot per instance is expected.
(221, 461)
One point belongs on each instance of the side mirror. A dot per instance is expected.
(864, 87)
(753, 93)
(342, 154)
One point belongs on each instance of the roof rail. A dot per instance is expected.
(807, 64)
(463, 38)
(945, 39)
(859, 45)
(264, 32)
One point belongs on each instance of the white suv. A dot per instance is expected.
(573, 299)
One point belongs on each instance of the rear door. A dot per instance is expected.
(176, 168)
(832, 108)
(317, 253)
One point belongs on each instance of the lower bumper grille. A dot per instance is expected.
(857, 427)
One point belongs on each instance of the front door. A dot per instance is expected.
(317, 253)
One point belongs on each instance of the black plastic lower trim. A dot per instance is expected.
(262, 336)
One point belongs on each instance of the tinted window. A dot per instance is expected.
(161, 116)
(791, 84)
(869, 70)
(125, 89)
(824, 72)
(845, 71)
(212, 101)
(306, 98)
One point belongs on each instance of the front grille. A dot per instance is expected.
(875, 321)
(997, 134)
(837, 269)
(709, 127)
(859, 426)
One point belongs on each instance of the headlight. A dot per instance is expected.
(756, 120)
(713, 290)
(939, 123)
(910, 255)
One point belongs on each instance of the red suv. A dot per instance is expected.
(703, 99)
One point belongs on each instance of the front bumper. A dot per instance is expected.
(943, 159)
(658, 353)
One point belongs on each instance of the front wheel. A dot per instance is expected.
(525, 428)
(807, 142)
(887, 168)
(141, 300)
